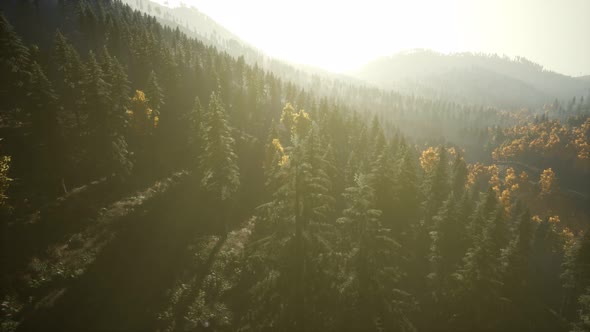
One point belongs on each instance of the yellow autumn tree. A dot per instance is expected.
(283, 158)
(429, 159)
(288, 117)
(581, 140)
(142, 118)
(505, 200)
(510, 179)
(494, 172)
(547, 182)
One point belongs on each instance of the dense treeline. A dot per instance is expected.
(353, 227)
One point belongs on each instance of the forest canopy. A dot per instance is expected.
(152, 182)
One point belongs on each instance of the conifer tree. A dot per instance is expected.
(195, 137)
(374, 257)
(406, 204)
(459, 175)
(221, 176)
(516, 267)
(47, 154)
(480, 276)
(4, 180)
(381, 179)
(155, 94)
(69, 75)
(583, 322)
(14, 68)
(437, 185)
(447, 236)
(105, 125)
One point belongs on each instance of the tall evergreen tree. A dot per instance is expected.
(47, 154)
(14, 66)
(69, 78)
(155, 93)
(374, 258)
(516, 268)
(221, 176)
(105, 124)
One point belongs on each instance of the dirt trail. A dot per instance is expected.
(123, 288)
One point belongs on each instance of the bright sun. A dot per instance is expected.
(340, 35)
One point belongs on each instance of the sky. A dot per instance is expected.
(341, 35)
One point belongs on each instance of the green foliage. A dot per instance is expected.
(221, 175)
(4, 179)
(583, 324)
(350, 235)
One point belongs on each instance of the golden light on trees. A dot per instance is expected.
(494, 178)
(283, 157)
(288, 116)
(429, 159)
(505, 200)
(547, 182)
(551, 139)
(142, 118)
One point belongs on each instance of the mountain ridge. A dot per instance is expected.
(426, 72)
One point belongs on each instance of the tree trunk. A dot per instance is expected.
(299, 259)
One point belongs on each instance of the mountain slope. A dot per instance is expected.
(199, 25)
(491, 80)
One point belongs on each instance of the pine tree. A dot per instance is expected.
(373, 256)
(406, 203)
(381, 179)
(4, 181)
(516, 259)
(47, 152)
(459, 175)
(156, 96)
(583, 323)
(546, 256)
(295, 226)
(119, 93)
(447, 236)
(195, 142)
(97, 97)
(106, 126)
(221, 176)
(576, 277)
(436, 186)
(480, 276)
(14, 68)
(69, 77)
(484, 210)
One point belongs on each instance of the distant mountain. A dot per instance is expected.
(197, 24)
(476, 78)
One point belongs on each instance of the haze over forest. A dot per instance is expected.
(294, 166)
(342, 36)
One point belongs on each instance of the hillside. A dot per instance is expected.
(475, 78)
(151, 181)
(197, 24)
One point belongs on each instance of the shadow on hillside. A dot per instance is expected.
(183, 305)
(123, 288)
